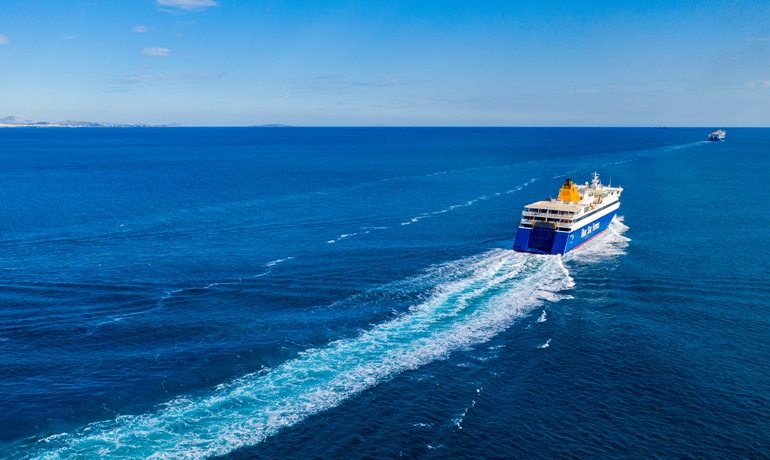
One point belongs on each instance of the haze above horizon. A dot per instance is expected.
(397, 63)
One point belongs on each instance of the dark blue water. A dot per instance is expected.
(351, 293)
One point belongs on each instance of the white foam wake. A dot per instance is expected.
(471, 301)
(609, 244)
(278, 261)
(467, 203)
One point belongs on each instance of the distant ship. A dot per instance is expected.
(718, 135)
(558, 226)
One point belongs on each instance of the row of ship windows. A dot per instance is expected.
(563, 221)
(543, 211)
(543, 219)
(561, 229)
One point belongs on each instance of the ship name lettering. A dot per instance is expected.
(588, 229)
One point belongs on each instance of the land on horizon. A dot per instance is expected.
(18, 122)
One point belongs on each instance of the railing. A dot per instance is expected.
(560, 226)
(570, 215)
(548, 214)
(559, 222)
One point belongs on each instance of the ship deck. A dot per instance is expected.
(555, 206)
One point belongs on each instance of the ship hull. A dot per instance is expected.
(717, 136)
(550, 241)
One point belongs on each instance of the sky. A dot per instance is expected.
(392, 63)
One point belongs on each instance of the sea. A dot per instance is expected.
(325, 293)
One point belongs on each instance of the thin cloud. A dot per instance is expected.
(758, 84)
(762, 39)
(188, 4)
(141, 29)
(116, 89)
(142, 79)
(3, 40)
(583, 91)
(340, 84)
(156, 52)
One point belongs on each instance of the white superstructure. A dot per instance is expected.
(596, 200)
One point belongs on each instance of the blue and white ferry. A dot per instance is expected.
(716, 136)
(558, 226)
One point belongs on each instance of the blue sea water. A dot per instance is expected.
(352, 293)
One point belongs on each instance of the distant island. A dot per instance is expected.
(16, 122)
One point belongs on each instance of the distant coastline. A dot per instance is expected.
(16, 122)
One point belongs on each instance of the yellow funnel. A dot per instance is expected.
(569, 193)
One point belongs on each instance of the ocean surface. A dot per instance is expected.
(352, 293)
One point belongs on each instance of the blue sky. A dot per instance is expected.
(222, 62)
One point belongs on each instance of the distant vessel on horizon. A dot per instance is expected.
(558, 226)
(717, 135)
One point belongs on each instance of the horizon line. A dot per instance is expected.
(277, 125)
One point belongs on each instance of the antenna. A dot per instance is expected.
(595, 181)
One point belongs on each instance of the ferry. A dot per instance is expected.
(558, 226)
(718, 135)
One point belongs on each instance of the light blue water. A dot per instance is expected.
(352, 293)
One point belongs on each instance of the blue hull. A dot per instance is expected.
(562, 242)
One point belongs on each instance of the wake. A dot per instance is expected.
(611, 243)
(469, 301)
